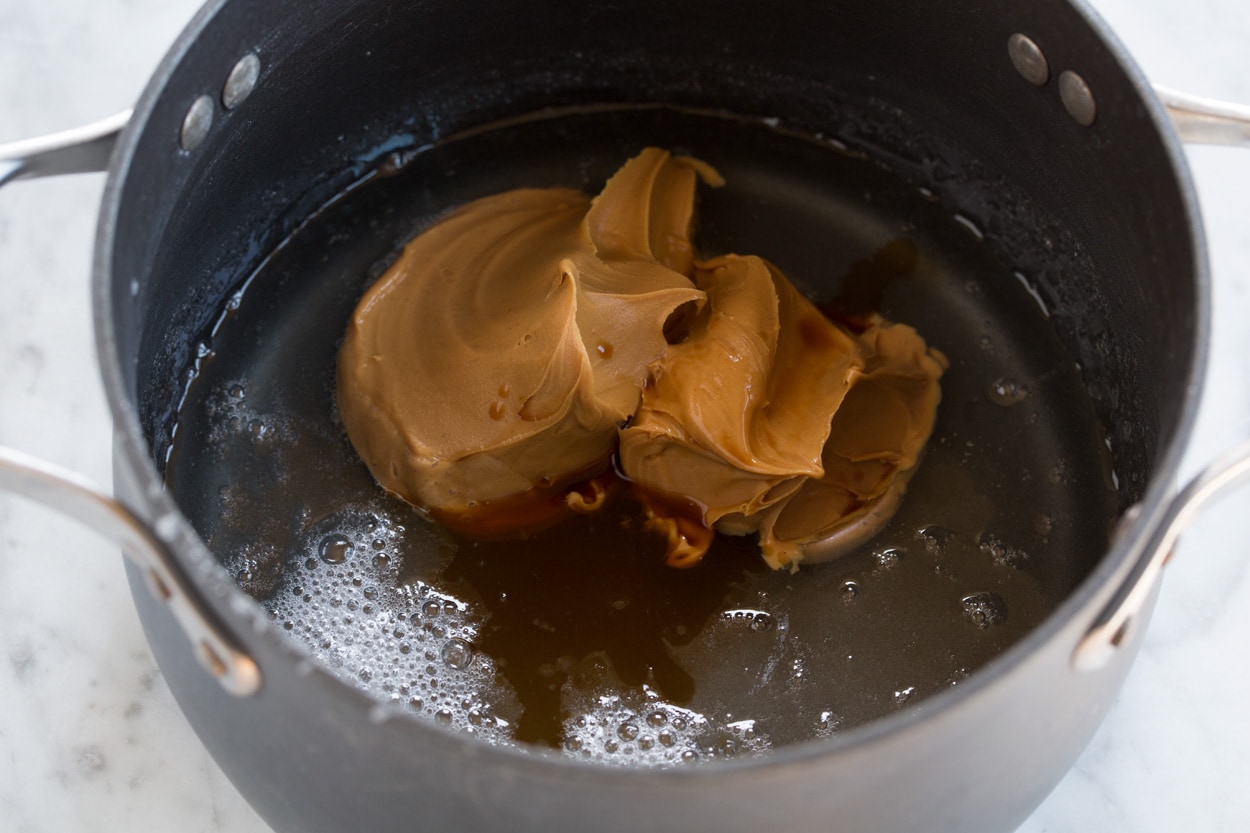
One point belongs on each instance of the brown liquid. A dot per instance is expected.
(865, 282)
(579, 635)
(595, 585)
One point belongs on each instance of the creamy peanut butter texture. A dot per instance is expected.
(519, 343)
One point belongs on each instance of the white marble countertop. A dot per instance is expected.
(90, 737)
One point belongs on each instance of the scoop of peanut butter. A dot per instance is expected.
(519, 343)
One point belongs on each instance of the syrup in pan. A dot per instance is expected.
(579, 639)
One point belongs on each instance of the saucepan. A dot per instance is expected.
(1024, 123)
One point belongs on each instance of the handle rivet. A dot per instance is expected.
(241, 81)
(1028, 59)
(196, 123)
(1077, 98)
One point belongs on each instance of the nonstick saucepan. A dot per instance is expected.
(1026, 120)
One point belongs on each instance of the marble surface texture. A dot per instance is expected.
(90, 738)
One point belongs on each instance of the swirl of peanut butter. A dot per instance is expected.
(521, 341)
(770, 418)
(492, 363)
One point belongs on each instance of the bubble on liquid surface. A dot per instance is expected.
(934, 537)
(232, 419)
(827, 724)
(744, 729)
(334, 549)
(984, 609)
(457, 653)
(627, 728)
(1006, 392)
(888, 558)
(955, 677)
(358, 619)
(1002, 554)
(758, 621)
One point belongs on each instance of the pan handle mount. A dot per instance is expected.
(83, 501)
(1205, 121)
(1113, 624)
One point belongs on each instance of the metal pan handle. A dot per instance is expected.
(1112, 626)
(78, 498)
(1205, 121)
(82, 150)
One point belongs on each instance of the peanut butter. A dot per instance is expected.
(522, 340)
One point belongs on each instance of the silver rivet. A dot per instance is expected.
(1026, 56)
(1077, 98)
(196, 123)
(241, 81)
